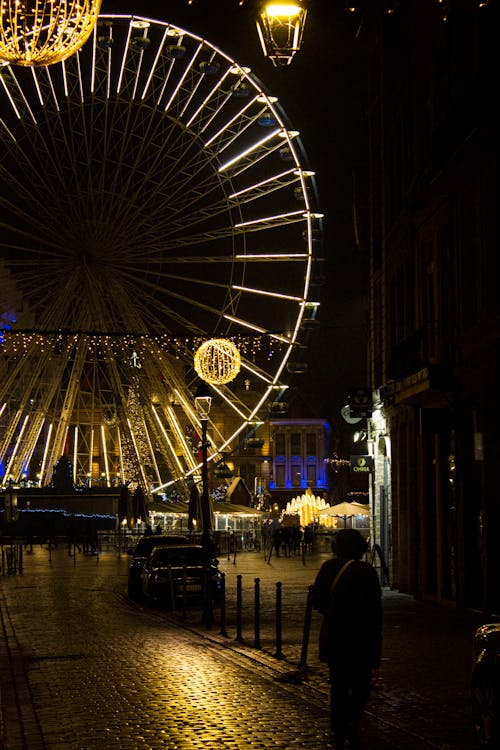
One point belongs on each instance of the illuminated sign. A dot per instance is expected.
(362, 464)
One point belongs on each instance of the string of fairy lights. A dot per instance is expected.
(18, 343)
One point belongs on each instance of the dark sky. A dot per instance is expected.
(320, 92)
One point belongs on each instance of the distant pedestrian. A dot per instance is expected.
(148, 530)
(276, 537)
(72, 538)
(347, 592)
(286, 540)
(28, 546)
(297, 539)
(308, 537)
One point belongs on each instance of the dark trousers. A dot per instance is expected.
(350, 687)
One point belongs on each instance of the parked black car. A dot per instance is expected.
(181, 575)
(485, 686)
(140, 553)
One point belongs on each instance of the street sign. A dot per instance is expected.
(346, 413)
(362, 464)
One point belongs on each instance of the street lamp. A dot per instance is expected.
(203, 402)
(280, 25)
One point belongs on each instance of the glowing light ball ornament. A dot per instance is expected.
(217, 361)
(42, 32)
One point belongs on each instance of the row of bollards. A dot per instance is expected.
(278, 651)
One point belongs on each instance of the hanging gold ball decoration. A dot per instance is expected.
(217, 361)
(42, 32)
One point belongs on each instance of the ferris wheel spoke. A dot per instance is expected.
(190, 187)
(166, 198)
(232, 127)
(30, 194)
(263, 188)
(188, 300)
(151, 306)
(188, 279)
(239, 229)
(247, 324)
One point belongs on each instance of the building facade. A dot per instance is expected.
(433, 232)
(299, 449)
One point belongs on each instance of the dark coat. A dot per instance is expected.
(351, 630)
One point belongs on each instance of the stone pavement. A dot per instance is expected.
(82, 667)
(423, 693)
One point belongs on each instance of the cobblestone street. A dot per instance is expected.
(84, 668)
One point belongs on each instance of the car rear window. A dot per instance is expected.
(179, 556)
(147, 543)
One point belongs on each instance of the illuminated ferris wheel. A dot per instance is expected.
(152, 196)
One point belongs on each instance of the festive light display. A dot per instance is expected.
(307, 507)
(16, 342)
(45, 32)
(135, 442)
(217, 361)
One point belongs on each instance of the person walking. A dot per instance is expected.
(347, 592)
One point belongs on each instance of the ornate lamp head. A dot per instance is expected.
(203, 400)
(280, 26)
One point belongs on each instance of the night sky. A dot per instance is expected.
(320, 92)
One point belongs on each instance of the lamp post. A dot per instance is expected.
(203, 402)
(11, 513)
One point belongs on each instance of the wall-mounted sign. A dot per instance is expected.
(360, 402)
(362, 464)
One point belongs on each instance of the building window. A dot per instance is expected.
(311, 475)
(311, 449)
(279, 474)
(279, 444)
(296, 471)
(295, 444)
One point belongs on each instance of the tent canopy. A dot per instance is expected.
(346, 510)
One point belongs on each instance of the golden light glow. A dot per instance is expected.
(283, 9)
(280, 27)
(307, 508)
(217, 361)
(42, 32)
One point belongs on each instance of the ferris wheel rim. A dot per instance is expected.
(244, 195)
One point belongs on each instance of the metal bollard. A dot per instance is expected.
(223, 630)
(208, 610)
(279, 640)
(307, 628)
(20, 547)
(171, 588)
(256, 642)
(184, 592)
(239, 602)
